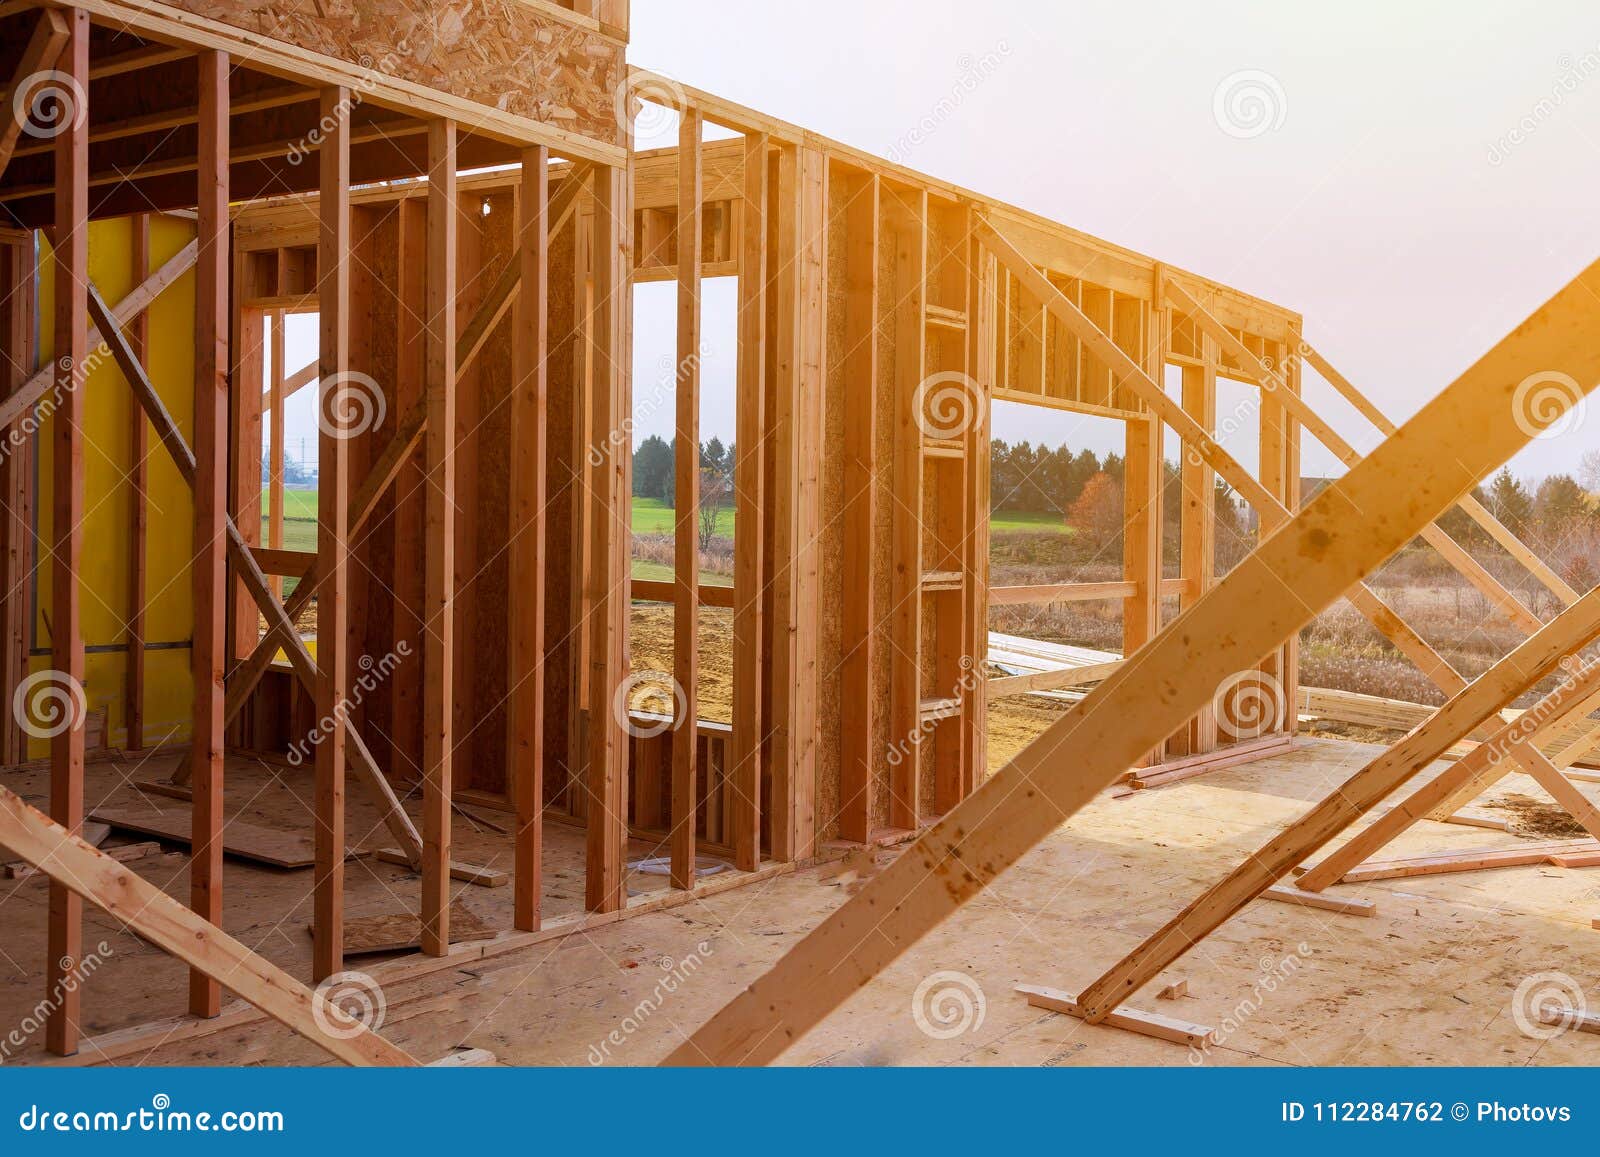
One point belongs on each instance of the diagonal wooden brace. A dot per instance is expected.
(394, 816)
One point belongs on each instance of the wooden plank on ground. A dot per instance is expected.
(1152, 1024)
(402, 931)
(247, 841)
(166, 923)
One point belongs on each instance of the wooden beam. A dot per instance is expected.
(611, 457)
(1343, 533)
(686, 506)
(1483, 764)
(139, 512)
(209, 570)
(70, 365)
(1269, 380)
(333, 543)
(439, 521)
(861, 744)
(1513, 545)
(1507, 679)
(164, 922)
(530, 350)
(1152, 1024)
(15, 404)
(744, 755)
(280, 617)
(1201, 443)
(44, 46)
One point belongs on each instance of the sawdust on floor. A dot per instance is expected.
(1532, 817)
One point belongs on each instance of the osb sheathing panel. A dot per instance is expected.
(500, 53)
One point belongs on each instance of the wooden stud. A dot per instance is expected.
(277, 393)
(138, 512)
(333, 494)
(749, 513)
(1343, 533)
(610, 460)
(438, 654)
(210, 569)
(907, 215)
(70, 367)
(530, 350)
(861, 745)
(686, 504)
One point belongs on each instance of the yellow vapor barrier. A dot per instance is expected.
(109, 411)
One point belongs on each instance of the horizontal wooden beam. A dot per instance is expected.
(660, 591)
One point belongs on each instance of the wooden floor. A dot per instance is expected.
(1430, 979)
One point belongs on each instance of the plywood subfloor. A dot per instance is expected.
(1430, 980)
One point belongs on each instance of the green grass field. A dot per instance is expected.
(1027, 520)
(650, 516)
(653, 516)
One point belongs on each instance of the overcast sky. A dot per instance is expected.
(1423, 175)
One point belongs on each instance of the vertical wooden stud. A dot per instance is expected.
(333, 492)
(529, 419)
(686, 504)
(65, 935)
(138, 508)
(439, 384)
(210, 568)
(861, 747)
(749, 484)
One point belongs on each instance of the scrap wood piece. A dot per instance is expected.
(1311, 559)
(402, 931)
(468, 873)
(465, 1058)
(1348, 905)
(158, 918)
(247, 841)
(1154, 1024)
(1441, 863)
(1565, 1016)
(1174, 990)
